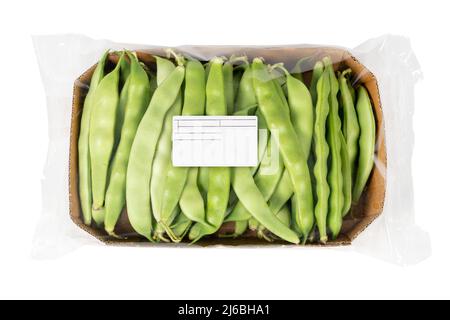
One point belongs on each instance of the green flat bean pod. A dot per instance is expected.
(162, 165)
(367, 138)
(321, 152)
(191, 201)
(249, 194)
(172, 190)
(335, 178)
(218, 177)
(282, 193)
(350, 120)
(301, 110)
(181, 183)
(297, 95)
(102, 138)
(284, 215)
(143, 150)
(163, 149)
(266, 179)
(246, 98)
(139, 96)
(84, 161)
(291, 149)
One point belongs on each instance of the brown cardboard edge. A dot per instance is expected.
(344, 239)
(381, 132)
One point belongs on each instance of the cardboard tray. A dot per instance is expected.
(362, 215)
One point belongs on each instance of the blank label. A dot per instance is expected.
(213, 141)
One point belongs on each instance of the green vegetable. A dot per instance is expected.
(335, 178)
(191, 201)
(321, 152)
(84, 161)
(218, 177)
(143, 150)
(290, 148)
(162, 160)
(102, 138)
(366, 142)
(350, 120)
(139, 96)
(254, 202)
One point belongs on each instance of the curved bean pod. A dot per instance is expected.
(191, 201)
(143, 150)
(251, 197)
(84, 161)
(284, 215)
(266, 179)
(139, 96)
(164, 146)
(291, 149)
(101, 138)
(282, 194)
(162, 161)
(366, 142)
(284, 189)
(301, 110)
(173, 188)
(350, 123)
(246, 99)
(302, 116)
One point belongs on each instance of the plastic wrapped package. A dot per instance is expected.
(321, 209)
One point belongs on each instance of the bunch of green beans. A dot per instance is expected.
(316, 125)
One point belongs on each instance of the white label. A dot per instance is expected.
(215, 141)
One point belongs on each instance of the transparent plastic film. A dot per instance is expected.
(334, 146)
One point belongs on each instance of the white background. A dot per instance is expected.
(100, 272)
